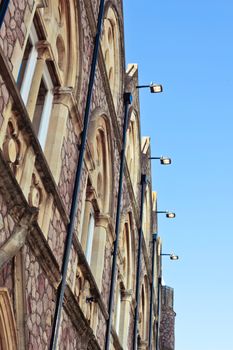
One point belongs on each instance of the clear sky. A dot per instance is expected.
(188, 47)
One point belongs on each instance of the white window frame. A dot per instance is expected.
(118, 310)
(47, 108)
(31, 65)
(90, 236)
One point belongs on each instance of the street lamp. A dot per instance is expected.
(154, 88)
(163, 160)
(169, 214)
(172, 257)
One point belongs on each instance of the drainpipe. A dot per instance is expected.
(135, 334)
(154, 238)
(127, 102)
(3, 9)
(76, 192)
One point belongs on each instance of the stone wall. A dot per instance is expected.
(167, 325)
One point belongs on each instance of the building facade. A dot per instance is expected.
(167, 324)
(46, 49)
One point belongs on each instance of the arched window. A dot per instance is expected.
(144, 310)
(8, 334)
(147, 216)
(132, 149)
(127, 273)
(98, 203)
(127, 250)
(111, 52)
(49, 64)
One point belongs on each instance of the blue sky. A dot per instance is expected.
(188, 47)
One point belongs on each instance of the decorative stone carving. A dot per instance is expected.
(35, 195)
(11, 145)
(79, 283)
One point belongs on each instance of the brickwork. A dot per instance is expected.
(100, 334)
(167, 326)
(13, 28)
(107, 273)
(40, 304)
(4, 98)
(56, 236)
(6, 277)
(87, 48)
(69, 156)
(6, 222)
(68, 334)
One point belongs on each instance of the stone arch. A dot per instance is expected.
(100, 142)
(147, 215)
(98, 203)
(133, 153)
(64, 31)
(111, 48)
(8, 333)
(127, 250)
(144, 309)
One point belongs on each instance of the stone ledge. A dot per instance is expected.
(74, 311)
(88, 274)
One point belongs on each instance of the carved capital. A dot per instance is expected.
(64, 95)
(44, 50)
(126, 295)
(142, 344)
(103, 221)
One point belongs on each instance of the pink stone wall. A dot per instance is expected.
(13, 28)
(6, 222)
(69, 337)
(6, 277)
(4, 98)
(87, 49)
(101, 329)
(107, 273)
(56, 236)
(69, 156)
(167, 324)
(40, 297)
(131, 328)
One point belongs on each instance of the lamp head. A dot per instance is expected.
(165, 160)
(174, 257)
(170, 215)
(156, 88)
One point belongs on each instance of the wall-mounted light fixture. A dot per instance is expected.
(163, 160)
(171, 255)
(154, 88)
(169, 214)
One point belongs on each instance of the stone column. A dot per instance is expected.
(98, 248)
(143, 345)
(44, 53)
(62, 105)
(126, 301)
(87, 210)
